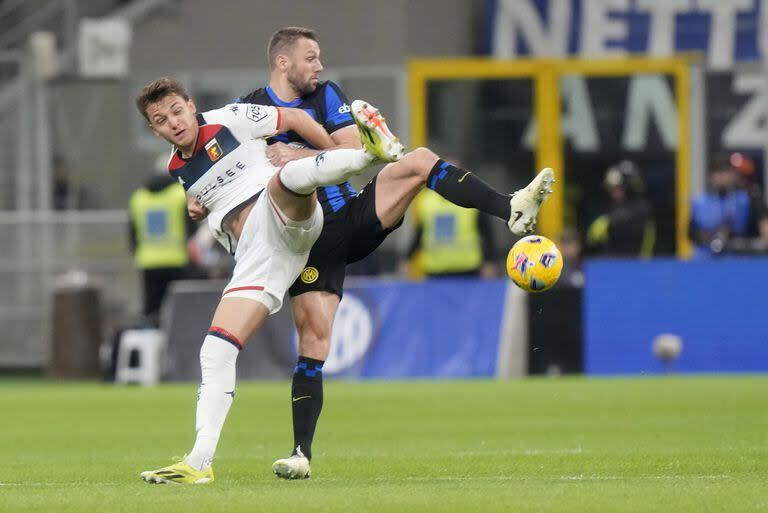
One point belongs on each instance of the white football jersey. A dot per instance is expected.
(229, 165)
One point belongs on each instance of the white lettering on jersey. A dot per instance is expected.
(236, 169)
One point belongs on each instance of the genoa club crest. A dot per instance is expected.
(213, 149)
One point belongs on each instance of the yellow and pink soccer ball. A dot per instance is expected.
(534, 263)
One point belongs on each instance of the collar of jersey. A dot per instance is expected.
(281, 103)
(200, 122)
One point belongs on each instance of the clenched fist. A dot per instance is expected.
(195, 210)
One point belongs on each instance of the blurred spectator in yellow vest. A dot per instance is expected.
(449, 240)
(159, 230)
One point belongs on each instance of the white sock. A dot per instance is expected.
(217, 390)
(331, 167)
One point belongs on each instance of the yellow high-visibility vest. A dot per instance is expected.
(158, 218)
(450, 239)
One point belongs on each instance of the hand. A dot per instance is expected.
(195, 210)
(279, 154)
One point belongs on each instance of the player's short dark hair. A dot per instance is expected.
(156, 91)
(284, 38)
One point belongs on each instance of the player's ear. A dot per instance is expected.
(192, 106)
(281, 61)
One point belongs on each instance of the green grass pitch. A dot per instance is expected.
(672, 444)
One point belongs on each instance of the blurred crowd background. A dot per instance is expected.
(662, 167)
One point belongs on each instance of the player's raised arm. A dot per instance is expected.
(302, 123)
(347, 137)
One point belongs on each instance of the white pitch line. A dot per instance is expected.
(524, 452)
(529, 478)
(61, 484)
(582, 477)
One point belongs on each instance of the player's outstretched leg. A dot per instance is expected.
(301, 177)
(331, 167)
(399, 182)
(465, 189)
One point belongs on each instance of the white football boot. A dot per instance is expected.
(294, 467)
(525, 203)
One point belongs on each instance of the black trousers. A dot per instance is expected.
(156, 283)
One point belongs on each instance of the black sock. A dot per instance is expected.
(464, 189)
(307, 402)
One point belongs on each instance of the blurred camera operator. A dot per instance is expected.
(627, 229)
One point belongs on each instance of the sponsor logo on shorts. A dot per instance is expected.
(309, 275)
(213, 149)
(344, 109)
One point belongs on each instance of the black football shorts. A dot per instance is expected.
(348, 235)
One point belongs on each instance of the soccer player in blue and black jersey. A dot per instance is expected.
(294, 59)
(356, 223)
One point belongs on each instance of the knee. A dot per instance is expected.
(419, 163)
(423, 158)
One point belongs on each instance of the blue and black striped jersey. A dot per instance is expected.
(328, 106)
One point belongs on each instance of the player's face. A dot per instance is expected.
(173, 119)
(304, 66)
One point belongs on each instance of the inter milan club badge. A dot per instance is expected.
(213, 149)
(309, 275)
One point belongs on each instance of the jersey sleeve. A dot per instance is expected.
(337, 111)
(247, 119)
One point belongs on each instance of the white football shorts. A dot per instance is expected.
(271, 253)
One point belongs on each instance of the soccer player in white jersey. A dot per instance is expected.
(267, 217)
